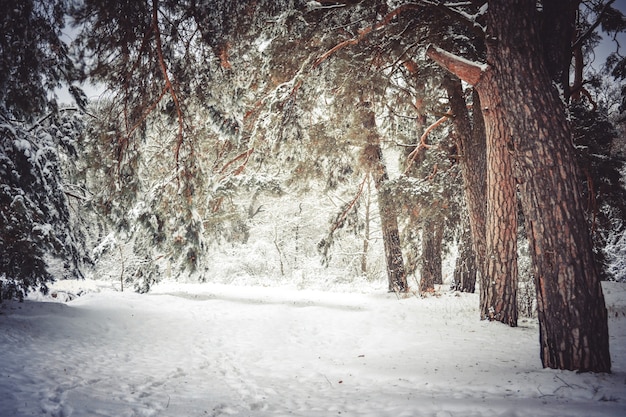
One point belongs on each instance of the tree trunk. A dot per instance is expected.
(558, 29)
(465, 268)
(470, 139)
(498, 291)
(366, 232)
(430, 273)
(572, 316)
(389, 222)
(499, 301)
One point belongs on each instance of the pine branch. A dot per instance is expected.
(245, 156)
(344, 214)
(593, 27)
(459, 16)
(366, 31)
(422, 144)
(168, 83)
(147, 112)
(237, 171)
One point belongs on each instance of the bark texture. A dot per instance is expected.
(571, 311)
(498, 290)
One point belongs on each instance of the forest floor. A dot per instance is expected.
(218, 350)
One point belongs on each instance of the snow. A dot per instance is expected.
(24, 146)
(482, 66)
(217, 350)
(263, 44)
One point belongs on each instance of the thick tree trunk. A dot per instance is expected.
(571, 310)
(499, 301)
(558, 29)
(389, 222)
(430, 273)
(572, 316)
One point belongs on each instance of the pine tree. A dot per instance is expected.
(567, 279)
(35, 231)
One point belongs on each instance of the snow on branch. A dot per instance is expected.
(168, 83)
(469, 20)
(466, 70)
(366, 31)
(316, 5)
(245, 156)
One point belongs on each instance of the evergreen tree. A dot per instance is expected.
(35, 228)
(515, 87)
(192, 128)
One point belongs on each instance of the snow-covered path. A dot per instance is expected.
(209, 350)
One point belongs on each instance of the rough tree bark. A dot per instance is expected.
(500, 293)
(498, 288)
(571, 311)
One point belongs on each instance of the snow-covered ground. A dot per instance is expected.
(213, 350)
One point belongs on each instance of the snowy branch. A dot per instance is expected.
(366, 31)
(459, 15)
(168, 83)
(344, 214)
(245, 156)
(468, 71)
